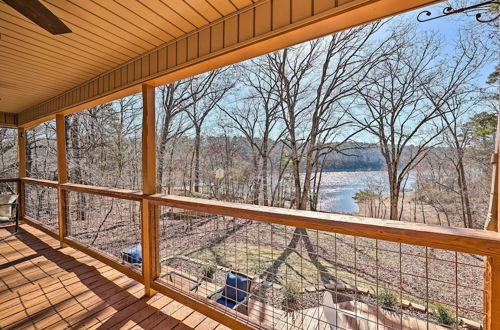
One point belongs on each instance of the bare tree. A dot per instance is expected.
(205, 93)
(257, 118)
(395, 108)
(454, 96)
(174, 98)
(315, 80)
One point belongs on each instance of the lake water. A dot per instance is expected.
(338, 189)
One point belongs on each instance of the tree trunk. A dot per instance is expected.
(264, 179)
(197, 146)
(394, 196)
(464, 194)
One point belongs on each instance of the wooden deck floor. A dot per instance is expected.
(45, 287)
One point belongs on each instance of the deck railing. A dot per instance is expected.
(308, 269)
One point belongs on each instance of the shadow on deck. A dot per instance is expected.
(44, 286)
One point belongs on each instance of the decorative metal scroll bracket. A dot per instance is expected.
(479, 9)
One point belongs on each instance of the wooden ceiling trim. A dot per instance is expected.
(8, 120)
(176, 53)
(177, 50)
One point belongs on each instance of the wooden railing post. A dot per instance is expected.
(492, 293)
(491, 300)
(150, 258)
(62, 172)
(21, 144)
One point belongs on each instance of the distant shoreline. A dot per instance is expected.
(351, 170)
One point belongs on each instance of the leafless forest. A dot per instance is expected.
(264, 131)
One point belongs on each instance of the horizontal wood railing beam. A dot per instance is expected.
(103, 191)
(40, 182)
(481, 242)
(466, 240)
(473, 241)
(6, 180)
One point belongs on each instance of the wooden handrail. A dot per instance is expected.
(473, 241)
(103, 191)
(40, 182)
(466, 240)
(5, 180)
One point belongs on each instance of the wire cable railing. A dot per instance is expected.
(41, 203)
(280, 268)
(304, 278)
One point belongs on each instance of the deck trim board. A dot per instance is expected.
(45, 286)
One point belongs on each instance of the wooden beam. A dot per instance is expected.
(150, 259)
(62, 172)
(21, 144)
(148, 140)
(492, 293)
(62, 169)
(2, 180)
(41, 182)
(103, 191)
(8, 120)
(466, 240)
(491, 301)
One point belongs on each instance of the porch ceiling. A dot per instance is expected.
(117, 45)
(36, 65)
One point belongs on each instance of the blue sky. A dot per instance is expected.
(449, 27)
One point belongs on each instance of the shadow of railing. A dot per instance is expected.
(122, 299)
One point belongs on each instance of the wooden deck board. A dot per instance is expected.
(45, 286)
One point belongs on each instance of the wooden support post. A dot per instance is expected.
(492, 293)
(491, 300)
(63, 177)
(21, 144)
(150, 259)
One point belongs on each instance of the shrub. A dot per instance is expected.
(444, 315)
(208, 270)
(292, 292)
(388, 299)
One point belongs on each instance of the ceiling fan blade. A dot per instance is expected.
(36, 12)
